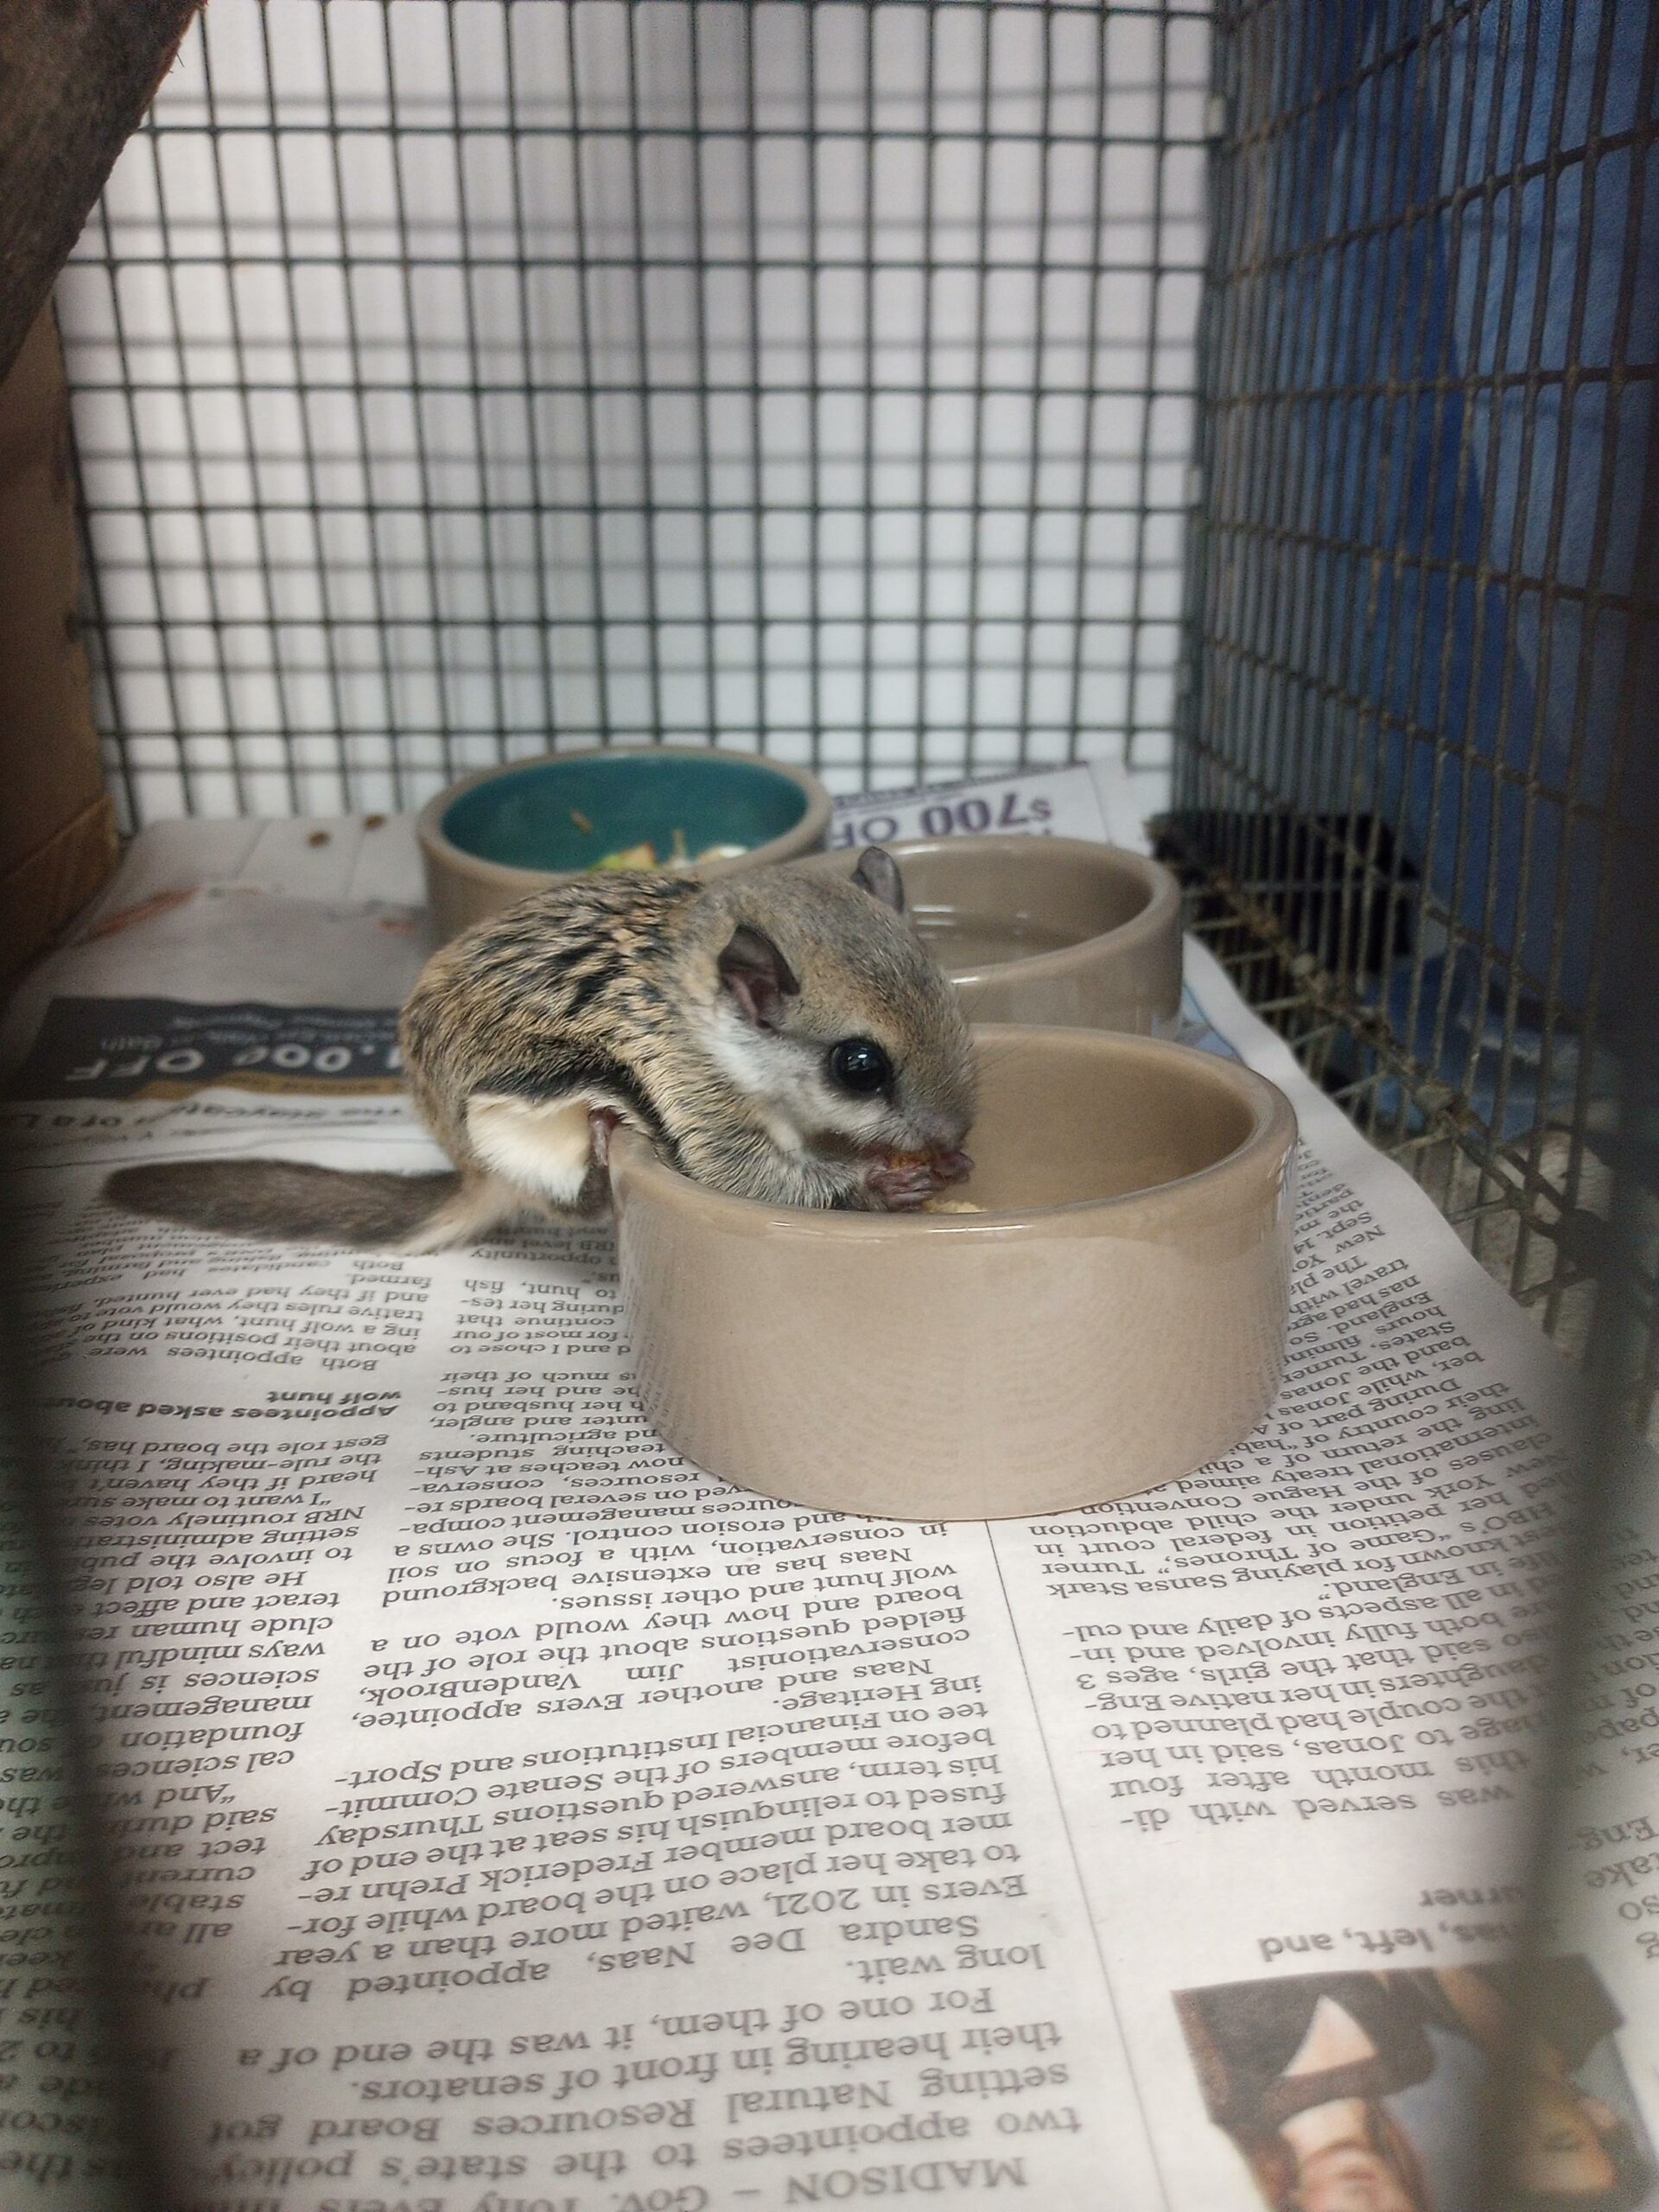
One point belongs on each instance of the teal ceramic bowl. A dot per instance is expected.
(496, 837)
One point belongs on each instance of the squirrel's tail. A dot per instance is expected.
(286, 1201)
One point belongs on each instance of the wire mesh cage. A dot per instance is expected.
(1419, 619)
(1256, 393)
(838, 381)
(453, 380)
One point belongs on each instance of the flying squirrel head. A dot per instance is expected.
(820, 1004)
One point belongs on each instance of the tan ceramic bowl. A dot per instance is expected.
(496, 837)
(1046, 929)
(1114, 1320)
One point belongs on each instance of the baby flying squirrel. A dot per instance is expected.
(779, 1036)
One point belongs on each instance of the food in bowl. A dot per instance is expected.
(677, 860)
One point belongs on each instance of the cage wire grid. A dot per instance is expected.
(454, 378)
(1418, 612)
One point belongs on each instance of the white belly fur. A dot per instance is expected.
(544, 1150)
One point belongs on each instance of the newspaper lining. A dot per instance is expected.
(510, 1813)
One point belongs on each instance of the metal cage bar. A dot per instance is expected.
(451, 381)
(1415, 598)
(456, 379)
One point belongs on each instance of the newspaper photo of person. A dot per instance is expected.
(1364, 2092)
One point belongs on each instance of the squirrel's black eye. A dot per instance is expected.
(859, 1067)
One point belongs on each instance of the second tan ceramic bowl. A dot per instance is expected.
(1114, 1320)
(1046, 929)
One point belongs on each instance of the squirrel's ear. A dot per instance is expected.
(758, 976)
(878, 874)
